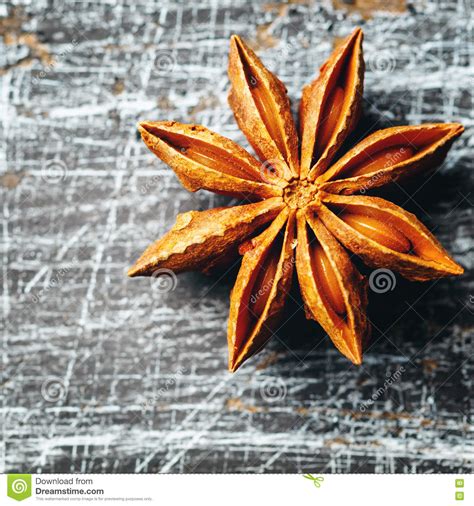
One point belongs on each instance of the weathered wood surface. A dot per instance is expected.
(106, 374)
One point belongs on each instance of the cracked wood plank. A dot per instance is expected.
(106, 374)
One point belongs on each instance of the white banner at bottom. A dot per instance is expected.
(239, 489)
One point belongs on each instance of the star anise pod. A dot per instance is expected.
(314, 210)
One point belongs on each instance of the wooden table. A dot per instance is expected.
(106, 374)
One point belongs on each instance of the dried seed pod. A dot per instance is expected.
(377, 229)
(205, 160)
(329, 120)
(198, 237)
(381, 233)
(384, 235)
(261, 289)
(388, 155)
(334, 292)
(381, 159)
(262, 110)
(326, 277)
(330, 106)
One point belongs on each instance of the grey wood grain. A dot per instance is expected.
(105, 374)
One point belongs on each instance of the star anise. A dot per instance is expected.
(314, 211)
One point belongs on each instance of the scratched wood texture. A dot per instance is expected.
(105, 374)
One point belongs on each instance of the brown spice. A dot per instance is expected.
(315, 211)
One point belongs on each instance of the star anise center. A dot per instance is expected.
(299, 193)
